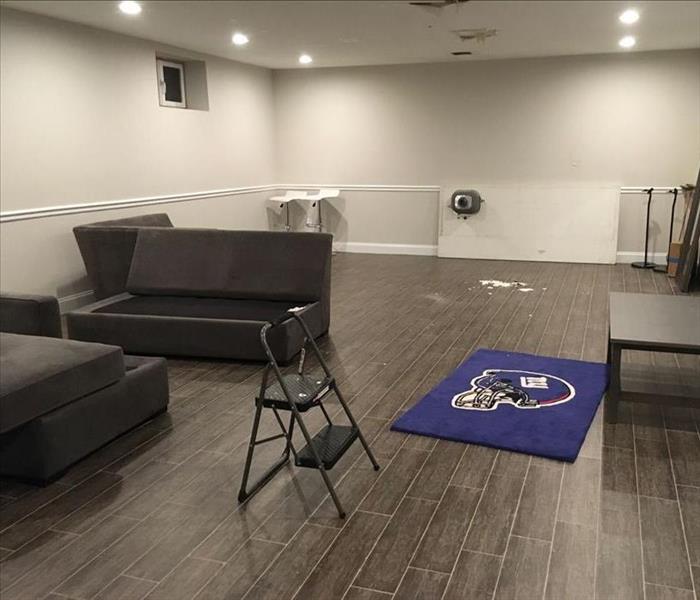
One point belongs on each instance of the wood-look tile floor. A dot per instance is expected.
(154, 514)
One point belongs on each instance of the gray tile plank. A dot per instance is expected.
(618, 471)
(620, 434)
(659, 592)
(113, 561)
(392, 484)
(685, 456)
(222, 543)
(513, 464)
(665, 560)
(112, 498)
(48, 515)
(538, 505)
(418, 584)
(47, 575)
(572, 564)
(593, 442)
(33, 553)
(356, 593)
(186, 579)
(125, 588)
(689, 499)
(437, 470)
(619, 557)
(474, 577)
(442, 542)
(335, 572)
(654, 469)
(291, 567)
(579, 492)
(390, 557)
(17, 509)
(237, 575)
(648, 422)
(178, 542)
(492, 522)
(151, 498)
(524, 569)
(474, 468)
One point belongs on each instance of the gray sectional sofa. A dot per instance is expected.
(61, 399)
(107, 248)
(208, 292)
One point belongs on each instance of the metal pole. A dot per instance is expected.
(646, 264)
(664, 268)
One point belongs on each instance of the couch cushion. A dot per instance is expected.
(107, 248)
(150, 220)
(201, 308)
(30, 314)
(260, 265)
(143, 331)
(40, 374)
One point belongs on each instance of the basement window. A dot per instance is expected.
(171, 83)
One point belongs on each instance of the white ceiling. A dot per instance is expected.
(341, 33)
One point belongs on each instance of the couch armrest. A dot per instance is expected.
(30, 315)
(107, 248)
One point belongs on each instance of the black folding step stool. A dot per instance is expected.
(297, 393)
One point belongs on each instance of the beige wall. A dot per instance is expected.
(81, 120)
(631, 119)
(81, 123)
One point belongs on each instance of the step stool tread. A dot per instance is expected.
(305, 389)
(330, 443)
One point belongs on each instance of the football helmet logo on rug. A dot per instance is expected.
(522, 389)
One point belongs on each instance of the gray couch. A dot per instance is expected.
(61, 399)
(208, 292)
(107, 248)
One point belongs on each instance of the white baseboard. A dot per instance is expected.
(366, 248)
(73, 301)
(630, 257)
(427, 250)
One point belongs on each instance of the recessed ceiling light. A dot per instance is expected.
(240, 39)
(629, 16)
(305, 59)
(627, 42)
(129, 7)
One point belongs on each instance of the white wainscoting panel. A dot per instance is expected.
(534, 222)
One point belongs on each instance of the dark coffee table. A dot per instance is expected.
(654, 323)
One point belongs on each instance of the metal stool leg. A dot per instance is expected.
(319, 463)
(361, 437)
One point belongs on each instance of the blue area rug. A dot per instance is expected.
(521, 402)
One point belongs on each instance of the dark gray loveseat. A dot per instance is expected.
(208, 292)
(62, 399)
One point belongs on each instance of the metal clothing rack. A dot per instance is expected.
(649, 191)
(298, 393)
(664, 268)
(645, 264)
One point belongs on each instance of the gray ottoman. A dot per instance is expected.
(62, 399)
(43, 449)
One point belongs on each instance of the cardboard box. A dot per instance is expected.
(674, 255)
